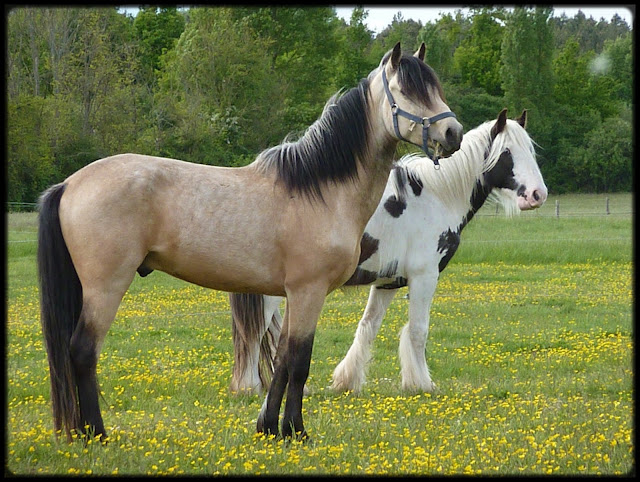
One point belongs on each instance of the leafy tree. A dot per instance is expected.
(586, 97)
(477, 58)
(216, 85)
(603, 164)
(473, 105)
(527, 73)
(591, 35)
(156, 29)
(441, 39)
(527, 50)
(618, 58)
(217, 96)
(351, 61)
(29, 158)
(26, 52)
(302, 42)
(400, 30)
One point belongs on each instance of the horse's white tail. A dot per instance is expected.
(254, 342)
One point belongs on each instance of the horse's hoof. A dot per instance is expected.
(302, 437)
(261, 428)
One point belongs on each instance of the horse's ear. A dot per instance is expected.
(500, 123)
(395, 56)
(522, 120)
(420, 52)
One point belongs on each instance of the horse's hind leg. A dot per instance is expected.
(84, 357)
(350, 374)
(98, 311)
(255, 339)
(413, 337)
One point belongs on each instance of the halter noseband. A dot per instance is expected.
(425, 121)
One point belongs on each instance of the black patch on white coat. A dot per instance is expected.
(500, 176)
(389, 270)
(395, 206)
(448, 243)
(400, 282)
(361, 277)
(368, 246)
(416, 185)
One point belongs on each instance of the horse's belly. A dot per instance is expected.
(234, 267)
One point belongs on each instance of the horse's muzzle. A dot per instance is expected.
(532, 198)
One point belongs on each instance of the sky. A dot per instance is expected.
(380, 17)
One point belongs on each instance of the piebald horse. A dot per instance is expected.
(288, 224)
(409, 240)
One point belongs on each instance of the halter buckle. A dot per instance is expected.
(426, 122)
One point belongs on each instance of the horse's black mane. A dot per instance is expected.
(330, 148)
(415, 77)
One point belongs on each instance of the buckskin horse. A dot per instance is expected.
(409, 240)
(288, 224)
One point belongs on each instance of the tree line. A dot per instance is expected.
(216, 85)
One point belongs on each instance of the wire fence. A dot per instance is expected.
(557, 211)
(15, 207)
(606, 210)
(488, 211)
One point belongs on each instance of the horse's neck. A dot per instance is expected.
(480, 191)
(460, 185)
(478, 198)
(374, 168)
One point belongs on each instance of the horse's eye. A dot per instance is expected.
(507, 151)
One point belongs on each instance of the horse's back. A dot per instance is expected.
(190, 220)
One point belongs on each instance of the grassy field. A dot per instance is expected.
(531, 346)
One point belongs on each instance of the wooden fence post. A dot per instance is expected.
(557, 208)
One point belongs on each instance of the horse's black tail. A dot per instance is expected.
(60, 306)
(247, 328)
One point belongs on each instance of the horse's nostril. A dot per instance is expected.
(452, 136)
(536, 196)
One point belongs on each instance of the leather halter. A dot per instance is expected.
(425, 121)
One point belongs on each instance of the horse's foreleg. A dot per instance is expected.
(413, 338)
(305, 306)
(350, 374)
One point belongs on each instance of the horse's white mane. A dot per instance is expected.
(459, 172)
